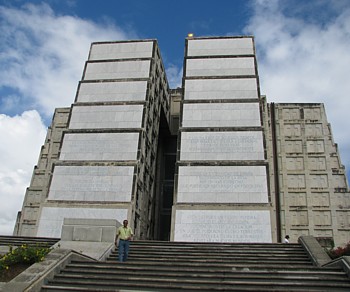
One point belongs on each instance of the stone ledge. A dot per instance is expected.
(316, 253)
(342, 262)
(94, 250)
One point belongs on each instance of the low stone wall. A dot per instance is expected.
(34, 277)
(316, 252)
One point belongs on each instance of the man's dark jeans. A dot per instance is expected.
(123, 250)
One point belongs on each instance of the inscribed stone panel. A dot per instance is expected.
(343, 199)
(296, 180)
(92, 183)
(344, 237)
(108, 116)
(293, 146)
(299, 218)
(220, 67)
(317, 163)
(43, 161)
(290, 114)
(315, 146)
(51, 220)
(39, 180)
(105, 51)
(320, 199)
(220, 89)
(322, 218)
(339, 181)
(222, 47)
(222, 146)
(312, 113)
(56, 146)
(222, 226)
(296, 233)
(28, 230)
(112, 91)
(222, 184)
(221, 115)
(34, 197)
(313, 130)
(292, 130)
(30, 213)
(343, 219)
(318, 181)
(294, 163)
(323, 233)
(90, 233)
(100, 146)
(296, 199)
(334, 162)
(115, 70)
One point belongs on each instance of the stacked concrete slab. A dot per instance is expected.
(221, 190)
(106, 161)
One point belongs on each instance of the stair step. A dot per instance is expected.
(74, 268)
(201, 284)
(214, 265)
(105, 266)
(214, 257)
(214, 261)
(232, 275)
(217, 251)
(174, 266)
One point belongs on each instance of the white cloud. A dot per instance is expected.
(21, 140)
(174, 76)
(304, 60)
(44, 55)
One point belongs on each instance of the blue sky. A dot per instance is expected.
(303, 52)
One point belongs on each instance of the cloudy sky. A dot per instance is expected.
(303, 52)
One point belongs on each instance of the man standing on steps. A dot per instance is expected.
(125, 234)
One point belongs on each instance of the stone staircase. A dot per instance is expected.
(177, 266)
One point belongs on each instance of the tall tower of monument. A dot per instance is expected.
(222, 191)
(106, 166)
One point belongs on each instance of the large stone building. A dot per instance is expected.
(210, 161)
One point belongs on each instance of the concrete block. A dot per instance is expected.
(112, 91)
(117, 70)
(67, 232)
(88, 233)
(121, 50)
(220, 67)
(220, 47)
(52, 218)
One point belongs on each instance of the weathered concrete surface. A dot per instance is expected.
(317, 254)
(96, 250)
(342, 262)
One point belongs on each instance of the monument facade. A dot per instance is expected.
(210, 161)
